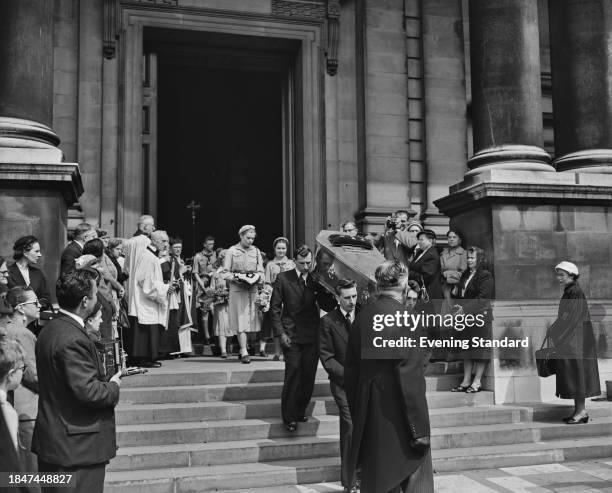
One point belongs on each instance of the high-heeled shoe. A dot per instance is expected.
(583, 420)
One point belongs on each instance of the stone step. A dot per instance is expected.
(202, 371)
(243, 391)
(522, 454)
(220, 431)
(126, 414)
(513, 433)
(305, 471)
(214, 478)
(230, 452)
(135, 414)
(246, 449)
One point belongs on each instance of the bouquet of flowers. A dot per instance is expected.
(263, 298)
(220, 296)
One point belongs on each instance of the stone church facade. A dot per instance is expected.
(492, 115)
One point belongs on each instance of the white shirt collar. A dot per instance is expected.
(79, 243)
(352, 313)
(73, 316)
(299, 274)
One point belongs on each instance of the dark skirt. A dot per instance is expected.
(477, 354)
(146, 341)
(577, 378)
(267, 331)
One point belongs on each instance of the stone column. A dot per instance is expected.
(35, 185)
(582, 86)
(506, 87)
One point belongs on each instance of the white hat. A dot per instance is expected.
(568, 267)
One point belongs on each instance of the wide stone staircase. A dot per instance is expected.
(206, 424)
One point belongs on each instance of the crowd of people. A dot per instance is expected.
(57, 397)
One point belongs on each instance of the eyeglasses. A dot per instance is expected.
(22, 368)
(37, 303)
(4, 272)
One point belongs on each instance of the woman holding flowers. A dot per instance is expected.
(218, 292)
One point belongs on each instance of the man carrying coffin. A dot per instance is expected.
(294, 310)
(386, 394)
(333, 337)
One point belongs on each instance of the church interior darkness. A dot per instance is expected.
(219, 143)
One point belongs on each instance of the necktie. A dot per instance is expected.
(303, 280)
(11, 418)
(348, 319)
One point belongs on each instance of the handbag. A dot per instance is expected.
(545, 360)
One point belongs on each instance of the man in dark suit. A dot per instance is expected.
(81, 235)
(75, 427)
(333, 338)
(386, 395)
(294, 310)
(399, 239)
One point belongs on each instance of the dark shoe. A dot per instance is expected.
(276, 357)
(156, 364)
(460, 388)
(263, 354)
(303, 419)
(583, 420)
(245, 359)
(472, 390)
(292, 426)
(224, 356)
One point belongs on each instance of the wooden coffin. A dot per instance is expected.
(333, 263)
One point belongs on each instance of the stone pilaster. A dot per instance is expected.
(506, 87)
(582, 92)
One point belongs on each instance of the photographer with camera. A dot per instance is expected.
(399, 239)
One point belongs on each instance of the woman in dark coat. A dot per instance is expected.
(474, 292)
(572, 337)
(24, 272)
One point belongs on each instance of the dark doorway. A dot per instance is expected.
(220, 143)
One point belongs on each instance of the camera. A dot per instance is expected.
(390, 223)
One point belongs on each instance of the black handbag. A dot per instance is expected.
(545, 360)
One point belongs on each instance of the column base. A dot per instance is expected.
(527, 222)
(587, 161)
(510, 157)
(34, 200)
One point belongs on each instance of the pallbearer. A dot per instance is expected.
(333, 337)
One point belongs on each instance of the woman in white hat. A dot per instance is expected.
(243, 269)
(572, 337)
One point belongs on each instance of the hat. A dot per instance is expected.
(427, 232)
(567, 267)
(413, 222)
(246, 228)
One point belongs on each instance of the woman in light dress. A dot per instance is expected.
(280, 263)
(243, 270)
(218, 292)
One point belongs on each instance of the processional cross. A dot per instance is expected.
(194, 206)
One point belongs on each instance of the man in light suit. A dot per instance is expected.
(294, 310)
(386, 395)
(82, 234)
(75, 426)
(333, 337)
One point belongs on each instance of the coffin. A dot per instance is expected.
(355, 262)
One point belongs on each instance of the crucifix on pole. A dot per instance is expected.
(194, 206)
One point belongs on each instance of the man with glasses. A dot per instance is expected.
(294, 310)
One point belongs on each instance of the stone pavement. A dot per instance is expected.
(593, 476)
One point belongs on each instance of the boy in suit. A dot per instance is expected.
(333, 338)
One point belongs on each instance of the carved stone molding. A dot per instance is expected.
(333, 35)
(110, 29)
(298, 8)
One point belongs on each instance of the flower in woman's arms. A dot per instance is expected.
(263, 298)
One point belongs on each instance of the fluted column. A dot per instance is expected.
(506, 87)
(580, 33)
(26, 80)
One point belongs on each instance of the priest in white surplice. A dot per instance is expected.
(151, 302)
